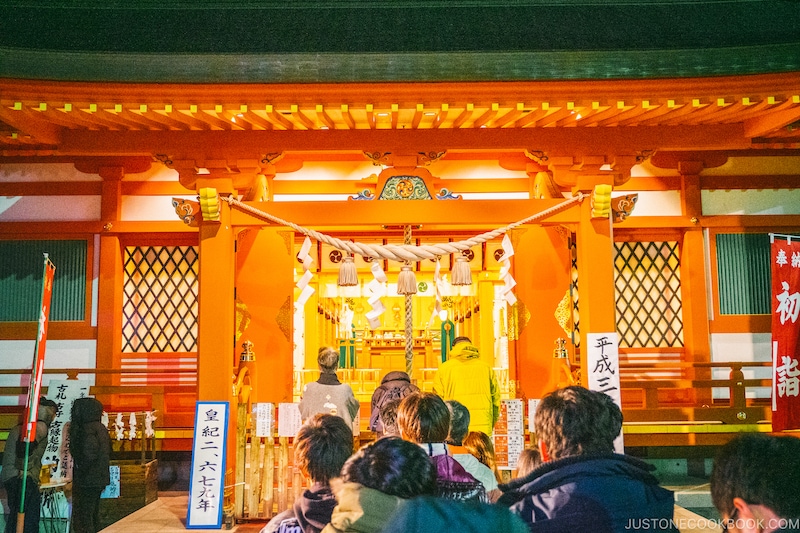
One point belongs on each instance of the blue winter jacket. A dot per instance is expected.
(598, 493)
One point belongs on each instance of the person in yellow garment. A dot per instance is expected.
(468, 379)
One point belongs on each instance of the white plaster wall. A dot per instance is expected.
(49, 208)
(465, 170)
(756, 166)
(751, 202)
(59, 354)
(655, 203)
(646, 169)
(44, 172)
(150, 208)
(726, 347)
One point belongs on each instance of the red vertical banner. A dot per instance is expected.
(32, 409)
(785, 258)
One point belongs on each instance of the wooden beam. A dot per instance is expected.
(457, 186)
(764, 125)
(161, 228)
(554, 141)
(26, 122)
(488, 214)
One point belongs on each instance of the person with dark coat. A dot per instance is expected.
(377, 480)
(90, 447)
(321, 447)
(14, 472)
(582, 484)
(395, 385)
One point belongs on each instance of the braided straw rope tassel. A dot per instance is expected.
(403, 252)
(409, 308)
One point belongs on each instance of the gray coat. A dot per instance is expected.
(329, 396)
(13, 462)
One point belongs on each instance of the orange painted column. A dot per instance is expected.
(265, 284)
(595, 257)
(109, 285)
(542, 271)
(313, 331)
(216, 351)
(694, 286)
(484, 327)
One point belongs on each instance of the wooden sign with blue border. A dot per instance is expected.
(207, 481)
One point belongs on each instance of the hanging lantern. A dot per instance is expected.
(406, 281)
(461, 272)
(347, 273)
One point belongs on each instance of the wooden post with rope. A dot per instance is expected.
(409, 322)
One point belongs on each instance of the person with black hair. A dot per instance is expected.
(423, 418)
(469, 379)
(459, 429)
(755, 483)
(90, 447)
(583, 485)
(14, 464)
(374, 483)
(321, 447)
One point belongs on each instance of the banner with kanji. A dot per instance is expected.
(64, 393)
(602, 361)
(785, 259)
(32, 407)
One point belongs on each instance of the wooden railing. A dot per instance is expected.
(173, 404)
(645, 400)
(648, 400)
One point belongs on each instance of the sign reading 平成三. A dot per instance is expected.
(602, 364)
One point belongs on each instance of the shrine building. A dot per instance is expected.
(223, 188)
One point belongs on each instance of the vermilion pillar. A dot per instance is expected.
(109, 286)
(215, 344)
(542, 271)
(595, 247)
(265, 284)
(694, 287)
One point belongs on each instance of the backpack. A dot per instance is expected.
(385, 393)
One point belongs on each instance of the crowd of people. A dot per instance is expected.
(90, 447)
(432, 466)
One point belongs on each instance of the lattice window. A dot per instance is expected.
(159, 312)
(573, 289)
(648, 294)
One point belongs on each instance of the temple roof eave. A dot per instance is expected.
(402, 67)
